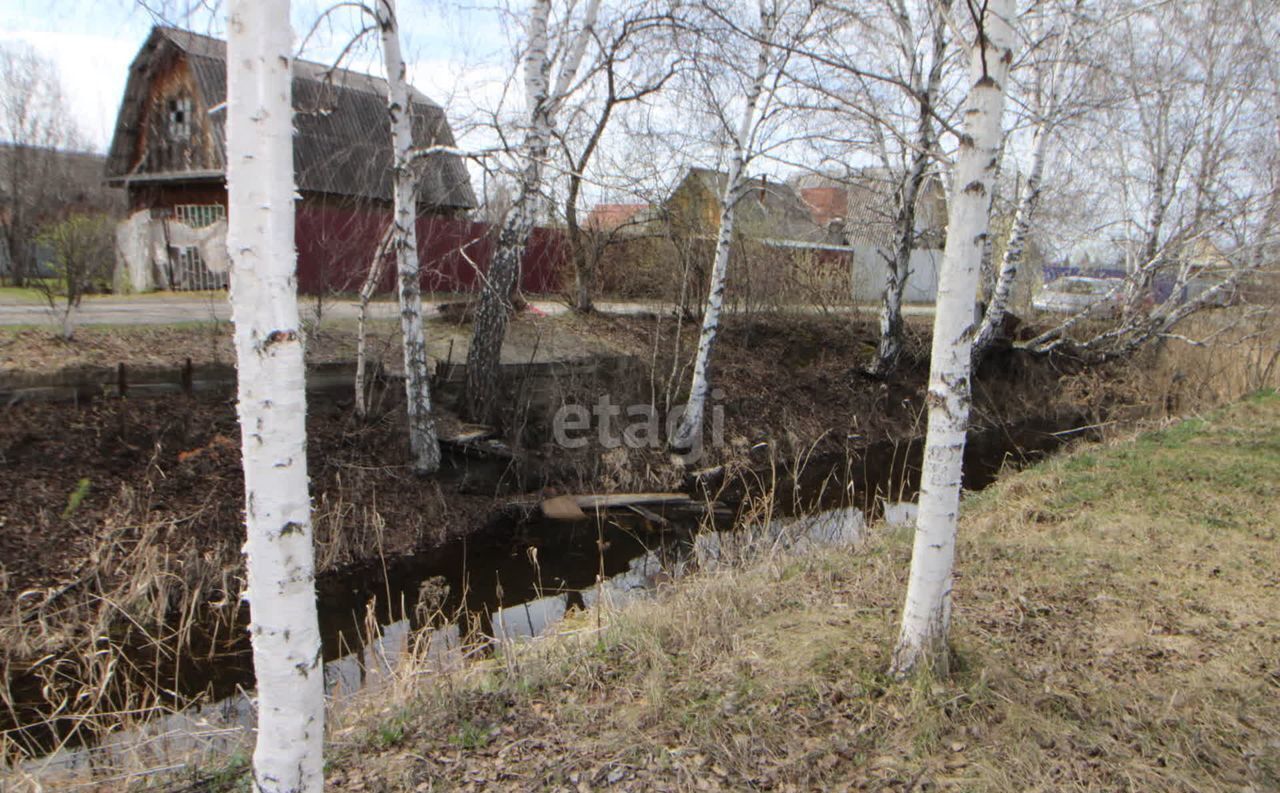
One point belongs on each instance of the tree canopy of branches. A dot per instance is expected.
(83, 252)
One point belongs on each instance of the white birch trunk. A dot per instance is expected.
(424, 448)
(1023, 217)
(573, 59)
(370, 285)
(490, 326)
(272, 399)
(926, 615)
(1012, 259)
(690, 426)
(889, 348)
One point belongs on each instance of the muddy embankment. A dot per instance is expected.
(120, 517)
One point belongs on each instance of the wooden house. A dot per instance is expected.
(169, 154)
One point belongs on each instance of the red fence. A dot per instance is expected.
(335, 245)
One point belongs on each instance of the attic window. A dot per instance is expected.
(180, 118)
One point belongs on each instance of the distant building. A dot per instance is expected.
(827, 205)
(767, 209)
(169, 154)
(611, 217)
(842, 230)
(853, 217)
(860, 210)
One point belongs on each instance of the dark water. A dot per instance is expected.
(468, 580)
(889, 471)
(479, 583)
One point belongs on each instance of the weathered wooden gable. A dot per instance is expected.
(171, 128)
(174, 132)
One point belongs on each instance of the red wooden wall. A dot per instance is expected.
(336, 237)
(335, 245)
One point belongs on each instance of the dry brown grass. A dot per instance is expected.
(69, 653)
(1115, 629)
(1219, 356)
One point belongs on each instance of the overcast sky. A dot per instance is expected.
(91, 42)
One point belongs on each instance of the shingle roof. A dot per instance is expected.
(343, 140)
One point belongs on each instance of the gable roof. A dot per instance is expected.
(768, 207)
(342, 144)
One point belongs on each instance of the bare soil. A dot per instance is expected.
(71, 475)
(799, 381)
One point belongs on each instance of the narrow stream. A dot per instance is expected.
(511, 579)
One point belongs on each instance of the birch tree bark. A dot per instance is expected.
(994, 316)
(926, 615)
(424, 447)
(272, 399)
(1046, 113)
(377, 265)
(889, 348)
(690, 426)
(490, 327)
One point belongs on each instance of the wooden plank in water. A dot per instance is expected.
(615, 500)
(579, 507)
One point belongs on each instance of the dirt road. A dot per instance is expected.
(174, 308)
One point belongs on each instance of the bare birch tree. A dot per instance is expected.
(745, 135)
(377, 266)
(926, 616)
(544, 98)
(1047, 104)
(925, 87)
(880, 69)
(400, 237)
(272, 399)
(424, 447)
(1180, 203)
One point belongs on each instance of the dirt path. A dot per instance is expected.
(531, 338)
(167, 308)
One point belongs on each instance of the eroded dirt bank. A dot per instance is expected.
(76, 479)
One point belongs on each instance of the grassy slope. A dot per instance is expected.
(1116, 628)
